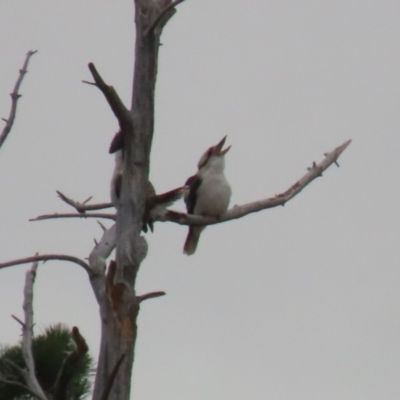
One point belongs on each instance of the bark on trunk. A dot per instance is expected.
(119, 305)
(118, 336)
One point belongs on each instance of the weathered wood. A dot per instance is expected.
(27, 335)
(119, 305)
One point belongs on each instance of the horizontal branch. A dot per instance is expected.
(14, 98)
(82, 207)
(117, 106)
(74, 215)
(236, 212)
(47, 257)
(151, 295)
(160, 16)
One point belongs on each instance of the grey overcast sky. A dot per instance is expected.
(295, 303)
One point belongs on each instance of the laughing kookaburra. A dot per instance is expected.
(156, 204)
(209, 192)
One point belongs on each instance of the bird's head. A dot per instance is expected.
(213, 154)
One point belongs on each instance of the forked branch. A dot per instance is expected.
(162, 14)
(14, 99)
(236, 212)
(82, 207)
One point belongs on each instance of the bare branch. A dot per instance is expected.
(18, 320)
(117, 143)
(102, 226)
(158, 19)
(116, 104)
(110, 380)
(88, 199)
(14, 99)
(47, 257)
(89, 83)
(102, 250)
(83, 207)
(27, 333)
(151, 295)
(155, 205)
(236, 212)
(73, 215)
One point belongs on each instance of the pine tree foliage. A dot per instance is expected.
(50, 350)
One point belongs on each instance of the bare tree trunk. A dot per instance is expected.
(118, 337)
(119, 309)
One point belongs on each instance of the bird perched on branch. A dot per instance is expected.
(156, 204)
(209, 192)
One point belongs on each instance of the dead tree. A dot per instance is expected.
(114, 284)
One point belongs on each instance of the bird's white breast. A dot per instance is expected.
(213, 195)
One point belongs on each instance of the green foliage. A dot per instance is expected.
(49, 349)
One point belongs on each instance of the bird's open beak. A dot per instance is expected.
(218, 148)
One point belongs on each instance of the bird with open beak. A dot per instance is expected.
(209, 192)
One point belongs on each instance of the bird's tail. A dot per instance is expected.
(192, 239)
(164, 200)
(157, 204)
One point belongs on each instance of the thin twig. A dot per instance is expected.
(102, 226)
(18, 320)
(89, 83)
(14, 99)
(160, 16)
(151, 295)
(82, 207)
(74, 215)
(236, 212)
(87, 200)
(47, 257)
